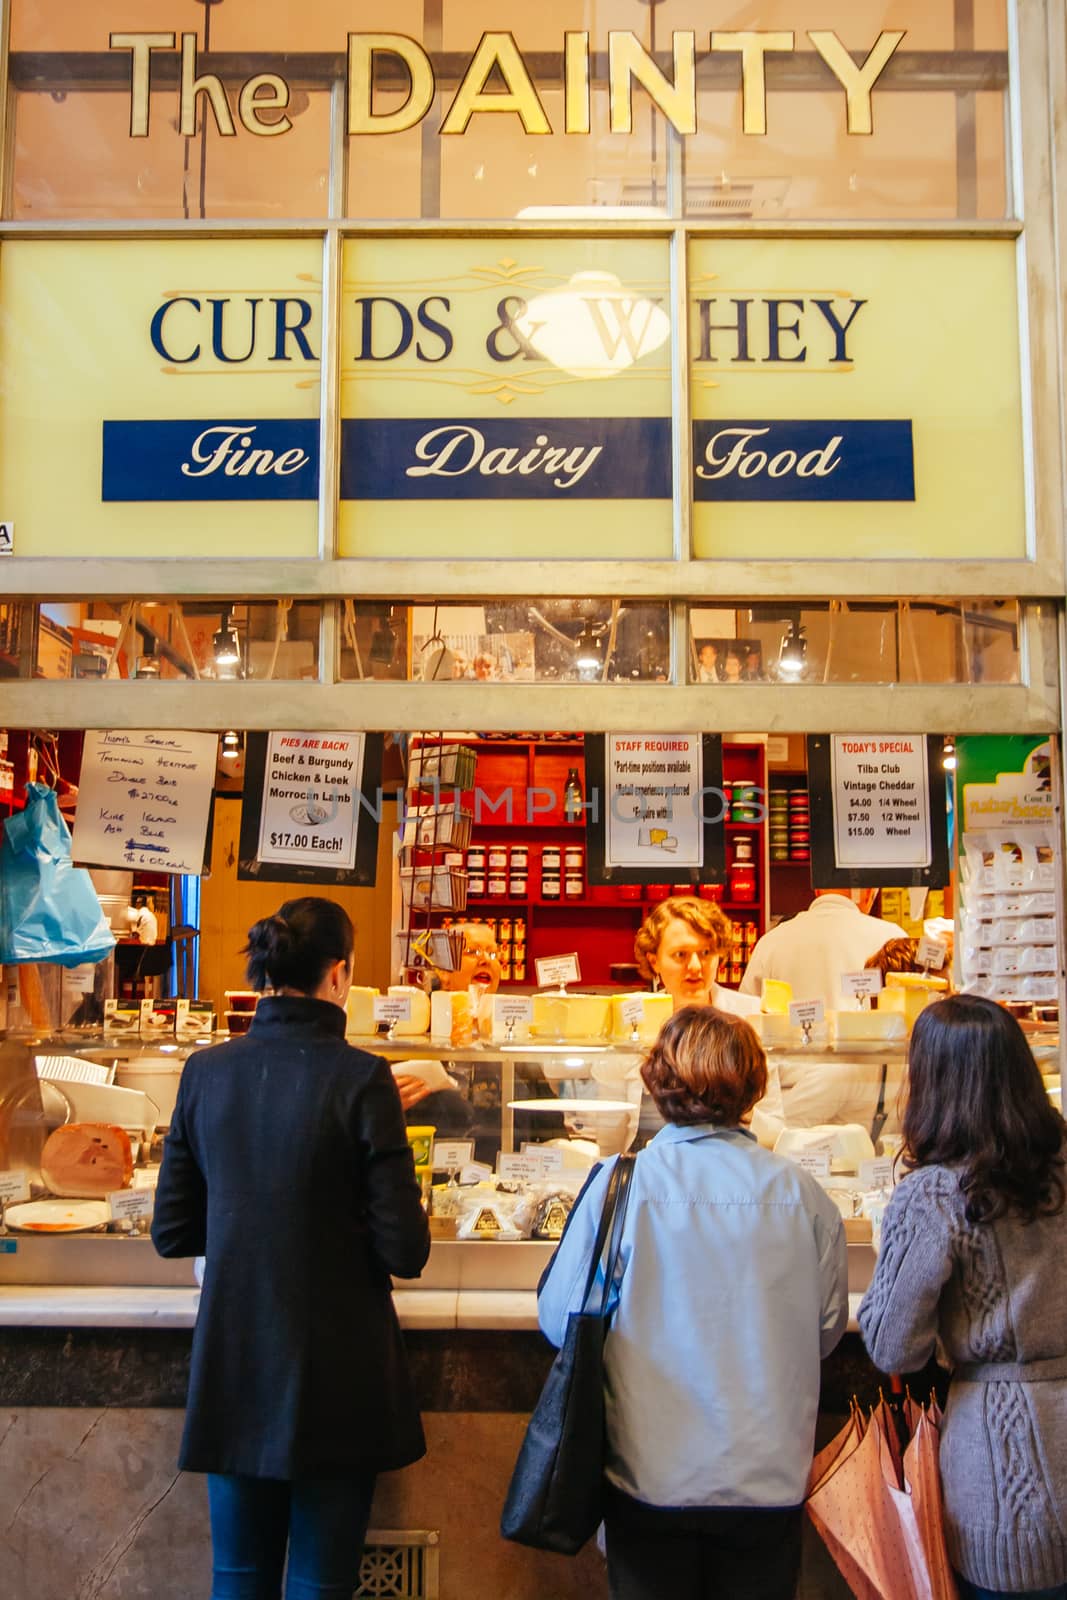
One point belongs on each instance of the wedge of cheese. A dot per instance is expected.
(571, 1016)
(908, 993)
(420, 1010)
(775, 997)
(359, 1008)
(655, 1009)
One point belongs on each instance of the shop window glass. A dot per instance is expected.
(856, 641)
(543, 640)
(698, 139)
(190, 640)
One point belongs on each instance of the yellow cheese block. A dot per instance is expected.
(775, 996)
(656, 1008)
(910, 993)
(571, 1016)
(869, 1027)
(360, 1009)
(420, 1010)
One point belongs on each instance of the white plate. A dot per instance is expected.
(58, 1216)
(586, 1107)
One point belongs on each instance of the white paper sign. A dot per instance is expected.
(633, 1012)
(817, 1162)
(557, 970)
(877, 1174)
(513, 1008)
(127, 1204)
(881, 800)
(551, 1160)
(932, 953)
(861, 985)
(806, 1013)
(391, 1008)
(514, 1168)
(475, 1172)
(654, 800)
(144, 798)
(310, 814)
(450, 1155)
(14, 1186)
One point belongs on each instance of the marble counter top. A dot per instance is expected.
(60, 1306)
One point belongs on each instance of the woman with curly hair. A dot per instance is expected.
(972, 1258)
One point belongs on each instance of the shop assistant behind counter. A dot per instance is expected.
(811, 951)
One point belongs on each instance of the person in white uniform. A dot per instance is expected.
(679, 945)
(811, 951)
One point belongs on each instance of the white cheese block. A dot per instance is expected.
(909, 993)
(360, 1010)
(656, 1008)
(420, 1010)
(571, 1016)
(871, 1027)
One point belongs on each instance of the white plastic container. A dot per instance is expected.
(157, 1077)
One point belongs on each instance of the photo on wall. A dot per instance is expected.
(727, 661)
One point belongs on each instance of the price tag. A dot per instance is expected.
(633, 1012)
(14, 1186)
(519, 1168)
(817, 1162)
(512, 1008)
(861, 985)
(877, 1174)
(475, 1172)
(128, 1204)
(392, 1008)
(558, 970)
(551, 1160)
(449, 1155)
(932, 954)
(805, 1013)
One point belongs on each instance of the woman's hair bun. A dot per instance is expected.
(293, 948)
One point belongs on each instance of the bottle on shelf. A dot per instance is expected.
(572, 796)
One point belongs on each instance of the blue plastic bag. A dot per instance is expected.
(49, 910)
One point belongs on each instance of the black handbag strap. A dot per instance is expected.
(608, 1239)
(881, 1116)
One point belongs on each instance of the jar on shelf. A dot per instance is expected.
(517, 885)
(742, 883)
(497, 858)
(497, 884)
(574, 858)
(572, 886)
(550, 885)
(743, 849)
(476, 858)
(520, 858)
(475, 884)
(551, 858)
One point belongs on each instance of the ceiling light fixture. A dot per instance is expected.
(793, 651)
(225, 644)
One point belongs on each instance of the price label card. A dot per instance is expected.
(633, 1012)
(519, 1168)
(877, 1174)
(805, 1013)
(475, 1172)
(14, 1186)
(861, 985)
(128, 1204)
(392, 1008)
(450, 1155)
(817, 1162)
(932, 953)
(512, 1008)
(551, 1160)
(557, 970)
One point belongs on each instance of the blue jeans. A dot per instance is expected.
(969, 1591)
(322, 1521)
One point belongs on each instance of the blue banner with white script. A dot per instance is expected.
(506, 458)
(271, 459)
(803, 461)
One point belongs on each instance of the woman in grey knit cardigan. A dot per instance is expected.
(973, 1260)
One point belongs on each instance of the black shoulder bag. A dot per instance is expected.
(555, 1496)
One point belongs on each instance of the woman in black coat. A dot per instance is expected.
(287, 1166)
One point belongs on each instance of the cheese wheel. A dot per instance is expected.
(571, 1016)
(87, 1160)
(420, 1010)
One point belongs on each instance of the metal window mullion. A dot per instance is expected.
(681, 431)
(330, 395)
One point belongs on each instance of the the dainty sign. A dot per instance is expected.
(559, 970)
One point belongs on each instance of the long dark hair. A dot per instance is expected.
(293, 949)
(976, 1101)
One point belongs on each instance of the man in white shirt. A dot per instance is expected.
(812, 950)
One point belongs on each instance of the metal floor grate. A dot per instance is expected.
(399, 1564)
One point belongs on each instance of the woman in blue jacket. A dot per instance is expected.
(732, 1286)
